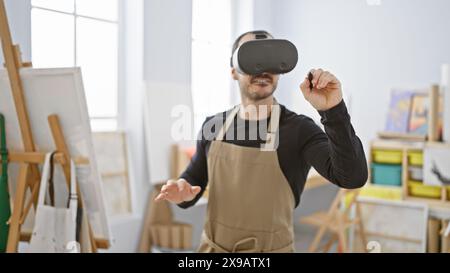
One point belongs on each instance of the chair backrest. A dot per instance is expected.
(349, 196)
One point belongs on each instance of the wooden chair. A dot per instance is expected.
(336, 221)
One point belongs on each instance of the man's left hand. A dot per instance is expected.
(326, 92)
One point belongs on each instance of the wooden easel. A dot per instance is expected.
(30, 158)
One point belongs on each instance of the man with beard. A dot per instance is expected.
(256, 158)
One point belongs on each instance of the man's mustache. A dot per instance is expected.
(262, 76)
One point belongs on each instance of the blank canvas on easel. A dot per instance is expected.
(58, 91)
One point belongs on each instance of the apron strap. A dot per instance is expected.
(275, 117)
(228, 122)
(272, 128)
(274, 123)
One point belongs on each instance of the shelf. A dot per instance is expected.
(437, 145)
(397, 144)
(435, 203)
(405, 147)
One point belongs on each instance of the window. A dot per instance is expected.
(211, 50)
(82, 33)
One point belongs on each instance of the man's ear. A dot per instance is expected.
(234, 74)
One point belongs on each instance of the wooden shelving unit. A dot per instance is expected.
(404, 147)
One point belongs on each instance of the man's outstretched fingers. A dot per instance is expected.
(170, 182)
(195, 190)
(164, 188)
(164, 193)
(181, 185)
(170, 188)
(161, 196)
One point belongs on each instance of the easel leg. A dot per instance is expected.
(93, 242)
(330, 243)
(342, 237)
(14, 227)
(316, 241)
(362, 231)
(32, 201)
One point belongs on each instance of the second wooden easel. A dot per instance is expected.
(30, 158)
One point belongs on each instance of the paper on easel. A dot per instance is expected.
(445, 87)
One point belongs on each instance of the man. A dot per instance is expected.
(253, 191)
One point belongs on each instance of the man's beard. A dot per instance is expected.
(256, 96)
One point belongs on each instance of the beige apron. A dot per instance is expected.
(251, 204)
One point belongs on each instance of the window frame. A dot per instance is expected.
(118, 118)
(197, 39)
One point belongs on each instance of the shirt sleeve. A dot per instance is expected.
(337, 154)
(196, 173)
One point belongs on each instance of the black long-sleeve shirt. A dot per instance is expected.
(337, 155)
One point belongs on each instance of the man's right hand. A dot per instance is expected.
(178, 191)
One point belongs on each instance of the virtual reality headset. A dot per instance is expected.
(265, 55)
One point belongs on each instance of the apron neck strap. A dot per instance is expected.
(273, 123)
(229, 119)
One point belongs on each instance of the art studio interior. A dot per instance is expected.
(261, 126)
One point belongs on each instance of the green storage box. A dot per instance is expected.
(386, 174)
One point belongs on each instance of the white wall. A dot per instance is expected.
(167, 47)
(131, 71)
(370, 48)
(19, 17)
